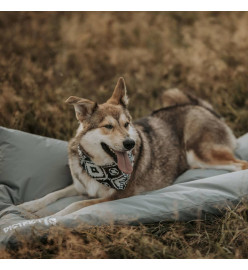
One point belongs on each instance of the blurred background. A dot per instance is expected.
(45, 57)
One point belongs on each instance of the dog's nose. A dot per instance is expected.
(129, 143)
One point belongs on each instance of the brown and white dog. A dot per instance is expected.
(112, 158)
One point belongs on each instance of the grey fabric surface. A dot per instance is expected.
(32, 166)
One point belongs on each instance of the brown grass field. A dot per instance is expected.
(47, 57)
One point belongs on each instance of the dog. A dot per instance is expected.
(112, 158)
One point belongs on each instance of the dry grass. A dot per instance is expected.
(218, 237)
(46, 57)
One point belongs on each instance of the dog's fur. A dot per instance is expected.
(185, 133)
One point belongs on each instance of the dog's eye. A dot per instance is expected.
(108, 126)
(126, 125)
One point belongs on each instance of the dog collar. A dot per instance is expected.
(109, 175)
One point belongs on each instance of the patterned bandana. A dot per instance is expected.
(109, 175)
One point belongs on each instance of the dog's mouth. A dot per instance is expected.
(121, 158)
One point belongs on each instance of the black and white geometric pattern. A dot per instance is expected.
(109, 175)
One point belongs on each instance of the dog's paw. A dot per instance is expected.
(244, 165)
(29, 215)
(29, 207)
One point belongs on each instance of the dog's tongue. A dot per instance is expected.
(124, 163)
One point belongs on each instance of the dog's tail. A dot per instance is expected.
(173, 97)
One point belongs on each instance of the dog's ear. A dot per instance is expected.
(119, 96)
(84, 108)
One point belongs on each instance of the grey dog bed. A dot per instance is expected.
(32, 166)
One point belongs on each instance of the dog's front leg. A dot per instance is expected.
(81, 204)
(35, 205)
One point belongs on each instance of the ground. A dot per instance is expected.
(47, 57)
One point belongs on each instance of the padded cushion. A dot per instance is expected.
(32, 166)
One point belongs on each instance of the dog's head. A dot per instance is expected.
(106, 132)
